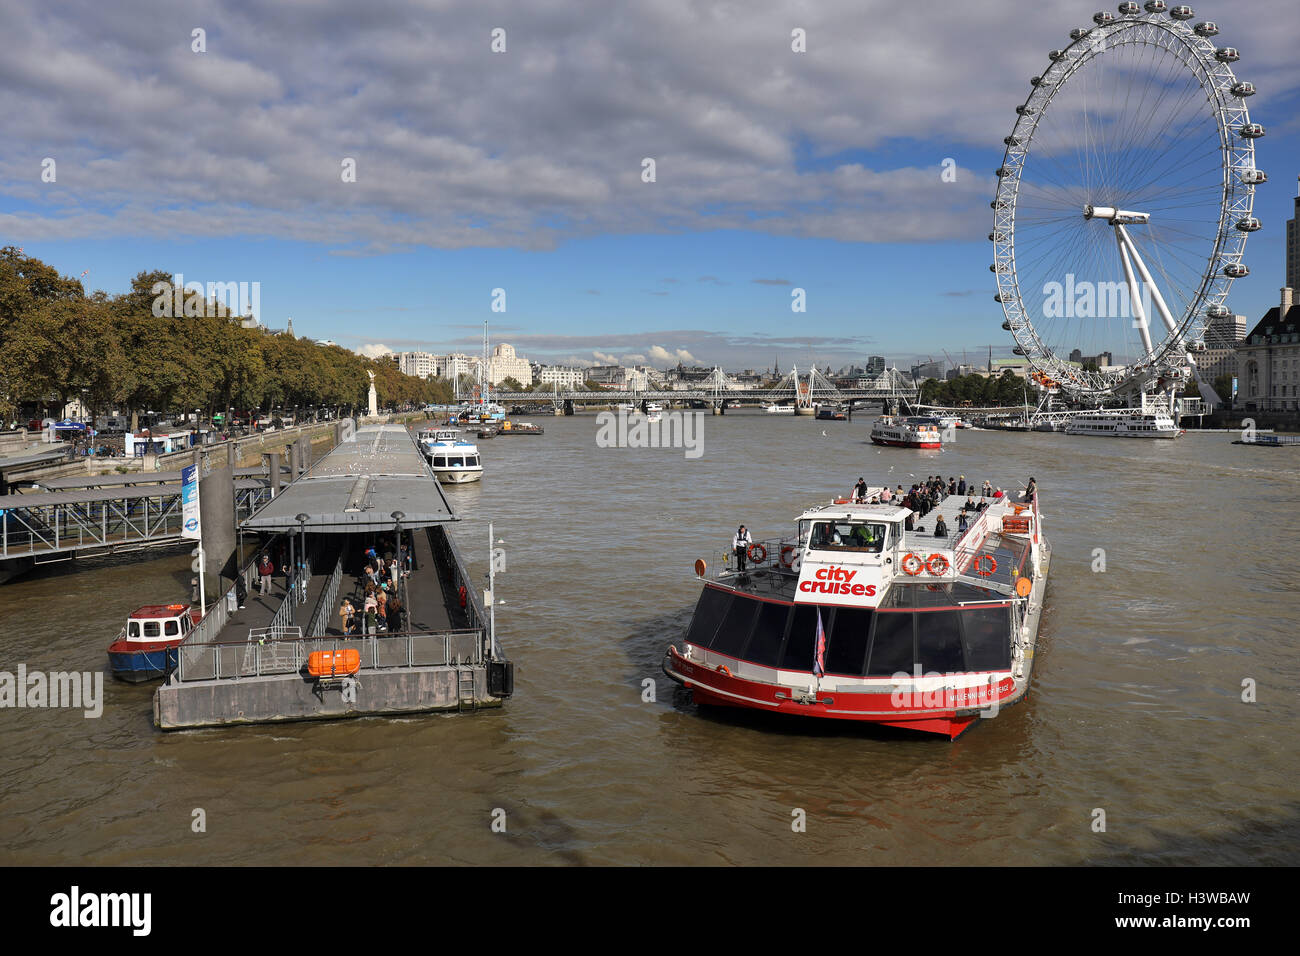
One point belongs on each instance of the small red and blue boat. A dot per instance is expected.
(146, 647)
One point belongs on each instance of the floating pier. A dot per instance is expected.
(262, 662)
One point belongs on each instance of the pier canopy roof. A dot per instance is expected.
(358, 486)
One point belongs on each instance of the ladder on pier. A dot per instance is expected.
(465, 697)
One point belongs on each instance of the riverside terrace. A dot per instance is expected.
(262, 662)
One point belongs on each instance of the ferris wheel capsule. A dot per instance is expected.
(1218, 312)
(1243, 89)
(1056, 55)
(1129, 8)
(1078, 33)
(1207, 29)
(1025, 110)
(1251, 131)
(1182, 12)
(1039, 81)
(1017, 350)
(1006, 323)
(1248, 224)
(1253, 177)
(1102, 18)
(1236, 270)
(997, 297)
(1155, 6)
(1227, 54)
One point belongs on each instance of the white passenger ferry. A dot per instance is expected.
(911, 432)
(1125, 425)
(857, 618)
(454, 461)
(775, 409)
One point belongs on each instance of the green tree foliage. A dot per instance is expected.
(976, 390)
(55, 341)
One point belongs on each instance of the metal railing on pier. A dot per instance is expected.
(325, 608)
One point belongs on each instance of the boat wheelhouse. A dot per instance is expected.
(1125, 425)
(858, 618)
(911, 432)
(145, 648)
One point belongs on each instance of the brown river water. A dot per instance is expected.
(1135, 709)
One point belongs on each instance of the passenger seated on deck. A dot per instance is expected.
(940, 527)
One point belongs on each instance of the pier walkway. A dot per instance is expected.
(252, 664)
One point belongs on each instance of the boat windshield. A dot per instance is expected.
(868, 536)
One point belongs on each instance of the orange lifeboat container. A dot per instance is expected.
(328, 664)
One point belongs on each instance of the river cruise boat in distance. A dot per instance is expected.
(912, 432)
(453, 460)
(775, 409)
(857, 618)
(145, 648)
(1125, 425)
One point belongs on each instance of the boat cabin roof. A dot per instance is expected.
(159, 611)
(856, 512)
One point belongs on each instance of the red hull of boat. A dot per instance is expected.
(906, 444)
(709, 686)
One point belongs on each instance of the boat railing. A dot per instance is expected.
(771, 550)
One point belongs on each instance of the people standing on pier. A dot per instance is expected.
(394, 609)
(264, 571)
(381, 609)
(369, 609)
(741, 544)
(347, 614)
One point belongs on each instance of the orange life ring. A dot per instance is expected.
(757, 553)
(982, 571)
(912, 569)
(722, 669)
(787, 556)
(937, 559)
(462, 595)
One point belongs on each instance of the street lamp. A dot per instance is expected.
(397, 517)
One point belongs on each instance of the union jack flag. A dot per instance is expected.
(819, 657)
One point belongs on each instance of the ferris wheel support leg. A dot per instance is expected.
(1156, 297)
(1134, 293)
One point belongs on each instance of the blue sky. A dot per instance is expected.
(522, 170)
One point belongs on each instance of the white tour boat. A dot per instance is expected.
(911, 432)
(1125, 425)
(454, 461)
(779, 409)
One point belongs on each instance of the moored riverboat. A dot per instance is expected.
(857, 618)
(145, 648)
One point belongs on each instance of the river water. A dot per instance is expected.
(1136, 705)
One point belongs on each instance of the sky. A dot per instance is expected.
(523, 170)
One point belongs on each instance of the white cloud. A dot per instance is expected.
(605, 358)
(374, 351)
(661, 355)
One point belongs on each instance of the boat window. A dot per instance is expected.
(846, 652)
(938, 642)
(186, 624)
(891, 644)
(868, 536)
(440, 461)
(151, 629)
(986, 632)
(133, 629)
(456, 461)
(769, 630)
(798, 654)
(471, 461)
(709, 611)
(173, 628)
(734, 630)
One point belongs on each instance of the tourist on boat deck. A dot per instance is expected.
(885, 495)
(952, 485)
(1031, 489)
(987, 490)
(860, 490)
(962, 523)
(909, 523)
(264, 571)
(970, 503)
(741, 544)
(998, 493)
(940, 528)
(961, 485)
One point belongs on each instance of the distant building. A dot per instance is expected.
(875, 365)
(562, 376)
(928, 370)
(457, 364)
(505, 364)
(419, 364)
(1101, 359)
(1268, 359)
